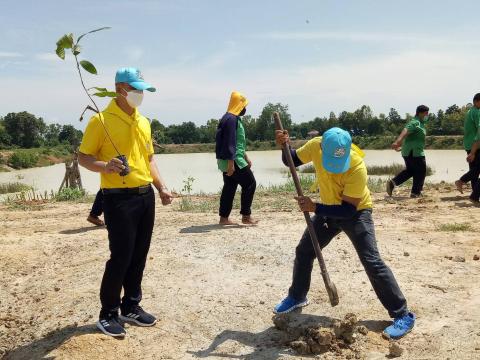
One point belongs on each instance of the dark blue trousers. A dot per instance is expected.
(360, 229)
(97, 207)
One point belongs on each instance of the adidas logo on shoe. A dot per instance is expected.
(108, 323)
(137, 316)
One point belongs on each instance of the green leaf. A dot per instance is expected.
(76, 49)
(106, 94)
(88, 66)
(98, 89)
(66, 41)
(60, 52)
(103, 28)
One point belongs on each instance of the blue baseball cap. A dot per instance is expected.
(336, 145)
(133, 77)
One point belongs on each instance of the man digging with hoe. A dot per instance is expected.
(346, 206)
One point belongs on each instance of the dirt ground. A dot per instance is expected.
(213, 288)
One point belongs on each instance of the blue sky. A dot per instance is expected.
(316, 56)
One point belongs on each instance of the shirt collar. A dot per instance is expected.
(420, 120)
(114, 109)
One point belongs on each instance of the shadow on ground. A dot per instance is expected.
(454, 198)
(467, 205)
(81, 230)
(40, 348)
(271, 343)
(202, 229)
(395, 198)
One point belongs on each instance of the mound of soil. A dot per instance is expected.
(343, 337)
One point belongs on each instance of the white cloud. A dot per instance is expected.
(193, 92)
(403, 81)
(134, 53)
(220, 58)
(6, 54)
(333, 35)
(47, 57)
(50, 62)
(362, 37)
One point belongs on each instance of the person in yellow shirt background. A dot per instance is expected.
(345, 206)
(117, 143)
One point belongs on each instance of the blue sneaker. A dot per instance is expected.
(401, 326)
(289, 304)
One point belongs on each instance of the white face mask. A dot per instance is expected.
(134, 98)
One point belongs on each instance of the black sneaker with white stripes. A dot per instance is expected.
(135, 314)
(108, 323)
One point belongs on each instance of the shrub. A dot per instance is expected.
(70, 194)
(7, 188)
(21, 159)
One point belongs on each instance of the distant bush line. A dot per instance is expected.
(28, 158)
(365, 142)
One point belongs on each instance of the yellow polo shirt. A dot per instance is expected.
(352, 183)
(132, 137)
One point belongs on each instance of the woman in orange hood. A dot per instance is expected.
(233, 162)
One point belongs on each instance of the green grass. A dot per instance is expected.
(306, 182)
(31, 199)
(13, 187)
(376, 185)
(70, 194)
(455, 227)
(392, 169)
(278, 197)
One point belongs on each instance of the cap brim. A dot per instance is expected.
(142, 85)
(336, 165)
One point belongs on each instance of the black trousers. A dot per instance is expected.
(243, 177)
(472, 176)
(97, 207)
(416, 167)
(129, 219)
(361, 231)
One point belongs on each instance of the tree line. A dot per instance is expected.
(361, 122)
(24, 130)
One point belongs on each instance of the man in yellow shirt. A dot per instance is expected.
(346, 206)
(118, 144)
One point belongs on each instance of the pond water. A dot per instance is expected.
(448, 166)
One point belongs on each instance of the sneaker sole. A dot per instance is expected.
(100, 327)
(130, 320)
(385, 335)
(303, 304)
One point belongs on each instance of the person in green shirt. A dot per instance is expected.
(233, 162)
(471, 136)
(413, 152)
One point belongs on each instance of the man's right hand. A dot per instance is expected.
(230, 167)
(471, 157)
(281, 137)
(396, 146)
(165, 196)
(114, 166)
